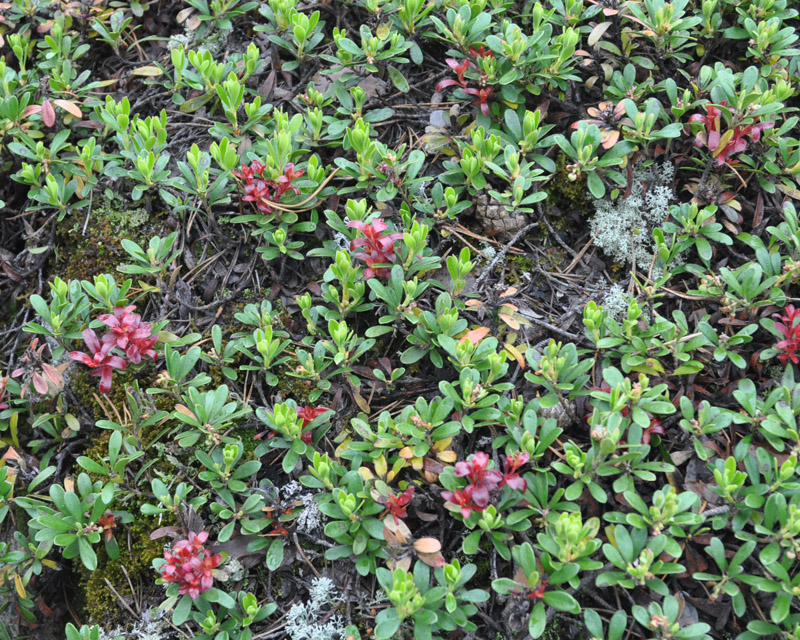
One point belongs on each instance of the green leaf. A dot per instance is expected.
(182, 611)
(763, 628)
(91, 466)
(386, 624)
(562, 601)
(398, 79)
(595, 185)
(471, 542)
(221, 597)
(275, 554)
(88, 556)
(780, 609)
(538, 621)
(54, 522)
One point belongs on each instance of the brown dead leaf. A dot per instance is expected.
(183, 14)
(161, 532)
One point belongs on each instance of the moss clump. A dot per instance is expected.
(85, 386)
(81, 256)
(298, 389)
(518, 266)
(136, 554)
(247, 437)
(566, 193)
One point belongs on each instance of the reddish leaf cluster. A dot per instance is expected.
(482, 481)
(374, 248)
(307, 414)
(789, 327)
(106, 521)
(534, 593)
(126, 332)
(396, 505)
(32, 368)
(722, 145)
(129, 333)
(190, 565)
(461, 68)
(262, 191)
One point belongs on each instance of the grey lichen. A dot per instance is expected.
(313, 620)
(623, 228)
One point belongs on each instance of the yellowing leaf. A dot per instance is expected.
(516, 354)
(149, 70)
(403, 563)
(789, 191)
(380, 466)
(509, 320)
(724, 139)
(361, 402)
(19, 586)
(365, 473)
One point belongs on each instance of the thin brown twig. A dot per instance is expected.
(303, 555)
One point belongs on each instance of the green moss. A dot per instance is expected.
(566, 193)
(297, 389)
(247, 436)
(136, 554)
(82, 255)
(85, 386)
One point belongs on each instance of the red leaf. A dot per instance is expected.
(48, 113)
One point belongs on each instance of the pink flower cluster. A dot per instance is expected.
(190, 565)
(262, 191)
(789, 328)
(126, 332)
(712, 137)
(374, 248)
(483, 481)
